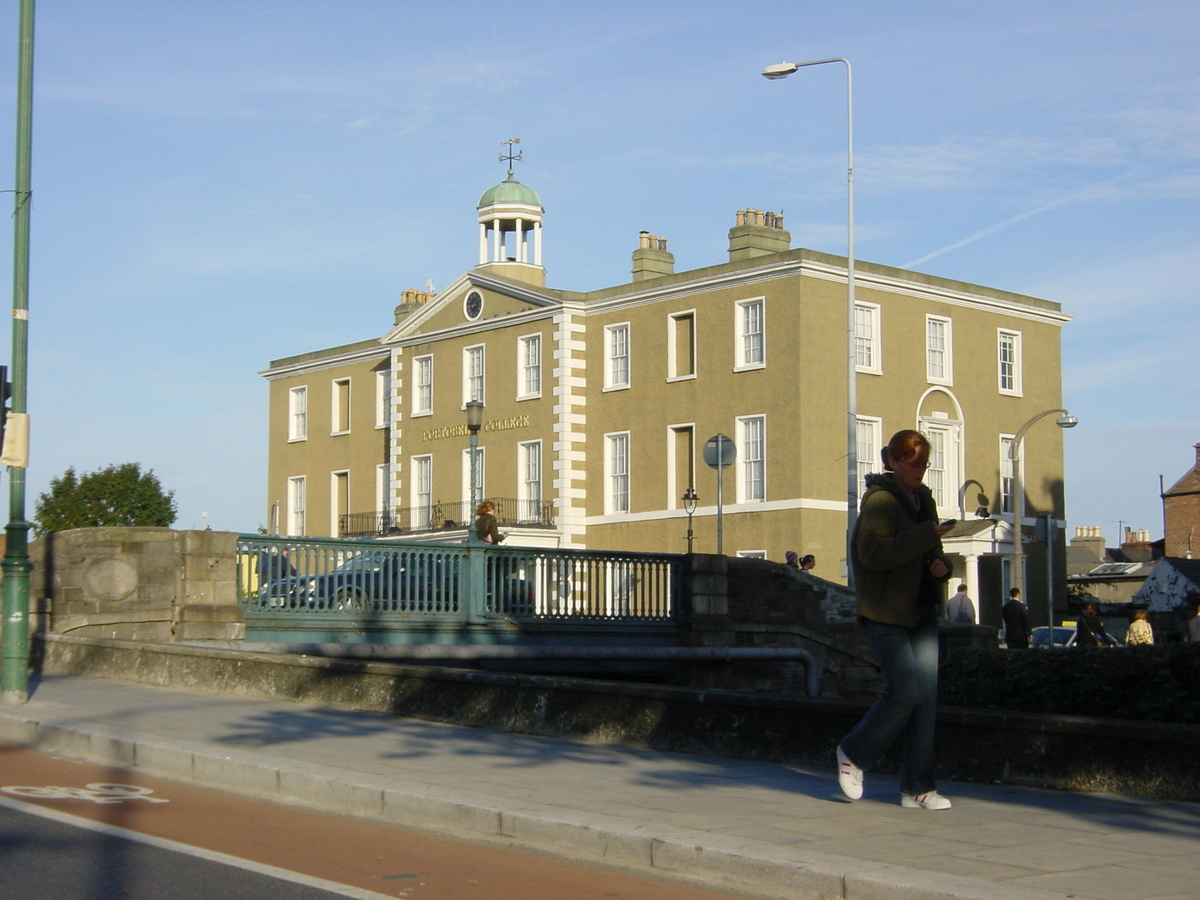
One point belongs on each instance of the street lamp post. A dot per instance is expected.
(474, 421)
(14, 645)
(1064, 420)
(783, 70)
(689, 503)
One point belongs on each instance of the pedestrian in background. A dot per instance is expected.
(1089, 632)
(487, 528)
(1017, 633)
(791, 560)
(808, 562)
(899, 570)
(960, 609)
(1140, 631)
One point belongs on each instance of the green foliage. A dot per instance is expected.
(1159, 683)
(116, 495)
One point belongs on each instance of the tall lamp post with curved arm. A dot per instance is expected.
(783, 70)
(1065, 420)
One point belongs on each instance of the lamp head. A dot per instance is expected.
(1066, 420)
(474, 415)
(982, 513)
(779, 70)
(689, 499)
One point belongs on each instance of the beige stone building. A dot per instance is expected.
(597, 404)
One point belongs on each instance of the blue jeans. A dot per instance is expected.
(909, 660)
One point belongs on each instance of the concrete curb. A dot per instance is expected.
(719, 860)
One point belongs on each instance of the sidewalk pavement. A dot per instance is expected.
(772, 830)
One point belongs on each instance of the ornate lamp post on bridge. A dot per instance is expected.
(689, 503)
(474, 421)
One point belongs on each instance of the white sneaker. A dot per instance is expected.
(850, 776)
(932, 800)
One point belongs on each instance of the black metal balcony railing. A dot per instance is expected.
(445, 517)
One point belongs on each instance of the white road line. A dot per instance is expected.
(211, 855)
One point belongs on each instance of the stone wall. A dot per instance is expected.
(1150, 759)
(757, 603)
(153, 584)
(157, 584)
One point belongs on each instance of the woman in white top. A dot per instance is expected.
(1140, 631)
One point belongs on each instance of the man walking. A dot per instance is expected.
(960, 610)
(1017, 633)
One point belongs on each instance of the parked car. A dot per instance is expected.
(388, 582)
(1064, 636)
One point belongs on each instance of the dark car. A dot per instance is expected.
(387, 581)
(1064, 636)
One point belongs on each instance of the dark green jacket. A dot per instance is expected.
(893, 544)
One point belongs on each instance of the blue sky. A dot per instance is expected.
(218, 184)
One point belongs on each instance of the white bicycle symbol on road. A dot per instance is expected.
(97, 793)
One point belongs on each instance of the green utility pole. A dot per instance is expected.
(14, 668)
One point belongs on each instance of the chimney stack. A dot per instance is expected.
(757, 233)
(410, 300)
(652, 259)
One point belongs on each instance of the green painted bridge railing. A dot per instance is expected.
(317, 589)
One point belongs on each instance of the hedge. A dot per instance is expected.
(1157, 683)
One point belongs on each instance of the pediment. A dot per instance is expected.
(473, 302)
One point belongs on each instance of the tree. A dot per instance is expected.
(116, 495)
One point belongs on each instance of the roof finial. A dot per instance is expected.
(509, 156)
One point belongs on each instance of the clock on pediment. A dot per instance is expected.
(473, 305)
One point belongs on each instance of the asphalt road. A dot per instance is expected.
(71, 830)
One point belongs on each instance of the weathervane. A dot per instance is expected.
(509, 156)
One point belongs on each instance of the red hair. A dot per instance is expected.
(905, 446)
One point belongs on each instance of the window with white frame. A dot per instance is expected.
(296, 505)
(422, 491)
(616, 473)
(869, 437)
(339, 501)
(942, 476)
(867, 356)
(750, 331)
(616, 356)
(339, 415)
(752, 554)
(298, 414)
(383, 398)
(681, 345)
(529, 485)
(422, 385)
(529, 367)
(752, 459)
(473, 374)
(939, 358)
(935, 475)
(1009, 359)
(383, 483)
(1007, 473)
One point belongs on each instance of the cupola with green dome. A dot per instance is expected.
(510, 191)
(510, 227)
